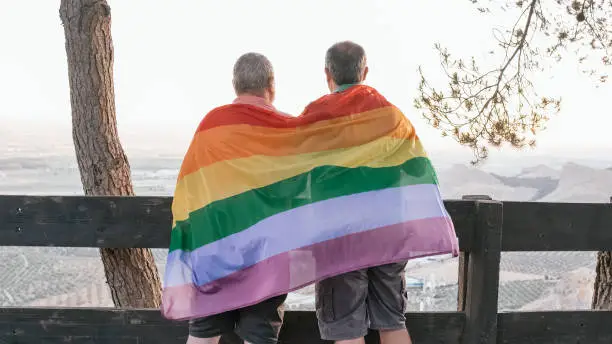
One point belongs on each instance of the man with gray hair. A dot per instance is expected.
(372, 298)
(260, 323)
(254, 81)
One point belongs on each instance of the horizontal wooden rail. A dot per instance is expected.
(534, 226)
(31, 325)
(121, 222)
(565, 327)
(111, 326)
(117, 222)
(112, 222)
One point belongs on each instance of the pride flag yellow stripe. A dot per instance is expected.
(232, 177)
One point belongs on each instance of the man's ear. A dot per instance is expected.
(330, 81)
(365, 73)
(328, 75)
(272, 91)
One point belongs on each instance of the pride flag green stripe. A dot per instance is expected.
(237, 213)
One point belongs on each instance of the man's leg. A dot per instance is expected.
(341, 307)
(261, 323)
(194, 340)
(208, 330)
(351, 341)
(395, 337)
(386, 303)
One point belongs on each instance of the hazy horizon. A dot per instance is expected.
(173, 64)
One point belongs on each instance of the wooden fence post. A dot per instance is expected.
(483, 275)
(464, 258)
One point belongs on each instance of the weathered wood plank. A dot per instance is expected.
(73, 340)
(426, 328)
(483, 275)
(78, 221)
(462, 213)
(464, 260)
(531, 226)
(588, 327)
(103, 325)
(113, 222)
(462, 280)
(120, 222)
(109, 326)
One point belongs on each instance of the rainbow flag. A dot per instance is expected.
(266, 204)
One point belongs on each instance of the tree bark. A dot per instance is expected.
(602, 292)
(131, 273)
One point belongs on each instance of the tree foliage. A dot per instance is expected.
(481, 107)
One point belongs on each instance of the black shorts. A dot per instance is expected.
(257, 324)
(348, 304)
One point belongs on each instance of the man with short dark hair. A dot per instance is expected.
(345, 66)
(253, 82)
(348, 304)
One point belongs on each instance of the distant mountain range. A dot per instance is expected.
(47, 173)
(543, 185)
(571, 183)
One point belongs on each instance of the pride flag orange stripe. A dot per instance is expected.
(325, 135)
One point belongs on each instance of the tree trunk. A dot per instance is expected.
(131, 273)
(602, 290)
(602, 293)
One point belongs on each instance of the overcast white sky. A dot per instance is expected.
(173, 62)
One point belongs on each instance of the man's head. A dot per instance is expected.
(253, 75)
(345, 63)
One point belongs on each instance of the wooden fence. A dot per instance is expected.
(485, 229)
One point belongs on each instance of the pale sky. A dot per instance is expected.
(173, 63)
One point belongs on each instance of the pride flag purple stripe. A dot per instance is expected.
(303, 226)
(292, 270)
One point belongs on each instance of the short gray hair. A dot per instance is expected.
(253, 73)
(346, 62)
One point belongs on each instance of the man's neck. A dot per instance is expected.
(255, 100)
(263, 95)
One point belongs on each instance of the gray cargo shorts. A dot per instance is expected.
(258, 324)
(347, 305)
